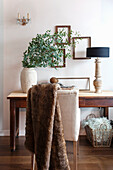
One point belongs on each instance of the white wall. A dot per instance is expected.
(1, 65)
(91, 18)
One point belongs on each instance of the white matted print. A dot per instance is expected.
(79, 52)
(83, 83)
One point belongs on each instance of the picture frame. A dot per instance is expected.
(79, 52)
(67, 28)
(69, 81)
(63, 63)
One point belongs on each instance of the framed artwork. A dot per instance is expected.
(67, 29)
(83, 83)
(79, 52)
(63, 60)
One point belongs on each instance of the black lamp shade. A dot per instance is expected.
(98, 52)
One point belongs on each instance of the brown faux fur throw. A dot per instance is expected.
(44, 131)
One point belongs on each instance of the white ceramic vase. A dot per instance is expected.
(28, 78)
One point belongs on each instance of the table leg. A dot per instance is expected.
(17, 122)
(105, 111)
(75, 155)
(12, 125)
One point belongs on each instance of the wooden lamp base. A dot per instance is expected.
(97, 82)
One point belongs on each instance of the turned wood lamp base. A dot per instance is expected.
(97, 82)
(97, 52)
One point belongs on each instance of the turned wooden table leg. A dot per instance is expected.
(12, 125)
(17, 122)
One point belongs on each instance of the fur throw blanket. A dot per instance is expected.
(44, 131)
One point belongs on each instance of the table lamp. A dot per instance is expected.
(97, 52)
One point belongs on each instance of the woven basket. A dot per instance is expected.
(101, 137)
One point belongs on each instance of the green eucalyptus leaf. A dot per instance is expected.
(45, 49)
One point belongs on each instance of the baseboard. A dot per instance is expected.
(7, 133)
(22, 133)
(4, 133)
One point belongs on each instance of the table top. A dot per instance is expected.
(17, 94)
(93, 94)
(20, 94)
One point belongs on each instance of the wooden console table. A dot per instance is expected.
(86, 99)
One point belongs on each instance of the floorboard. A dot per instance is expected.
(89, 158)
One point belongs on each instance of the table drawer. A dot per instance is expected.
(98, 102)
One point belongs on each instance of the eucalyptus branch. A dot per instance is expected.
(44, 49)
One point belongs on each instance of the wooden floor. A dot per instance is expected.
(89, 158)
